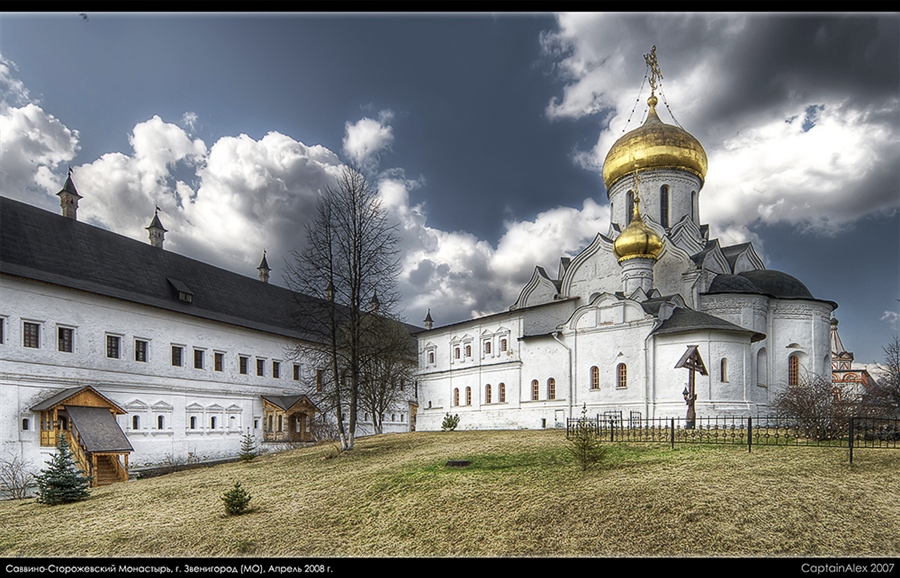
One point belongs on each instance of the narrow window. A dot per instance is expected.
(256, 424)
(140, 350)
(136, 422)
(664, 206)
(193, 422)
(468, 351)
(723, 370)
(242, 364)
(271, 427)
(393, 417)
(535, 389)
(31, 335)
(595, 377)
(176, 355)
(468, 396)
(112, 346)
(455, 396)
(64, 341)
(198, 359)
(25, 423)
(366, 416)
(402, 418)
(276, 369)
(280, 423)
(219, 361)
(260, 367)
(431, 357)
(693, 205)
(2, 330)
(503, 344)
(487, 347)
(319, 374)
(629, 207)
(551, 388)
(501, 393)
(622, 375)
(296, 372)
(487, 393)
(212, 422)
(793, 370)
(160, 422)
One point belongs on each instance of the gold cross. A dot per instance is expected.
(655, 74)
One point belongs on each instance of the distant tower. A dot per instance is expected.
(637, 249)
(374, 303)
(157, 231)
(429, 322)
(263, 269)
(841, 359)
(68, 198)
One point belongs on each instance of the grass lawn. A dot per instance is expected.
(523, 495)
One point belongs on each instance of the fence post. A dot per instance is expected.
(749, 434)
(850, 439)
(673, 432)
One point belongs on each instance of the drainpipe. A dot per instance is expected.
(555, 335)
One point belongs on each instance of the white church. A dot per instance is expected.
(619, 326)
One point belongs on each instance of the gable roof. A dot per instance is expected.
(683, 320)
(286, 402)
(42, 246)
(66, 394)
(98, 429)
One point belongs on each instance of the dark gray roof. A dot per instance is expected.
(98, 429)
(683, 320)
(66, 394)
(156, 224)
(286, 402)
(69, 187)
(777, 284)
(39, 245)
(732, 252)
(725, 283)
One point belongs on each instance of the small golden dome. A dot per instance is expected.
(654, 145)
(637, 240)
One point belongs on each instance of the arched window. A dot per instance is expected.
(468, 396)
(595, 377)
(664, 206)
(468, 351)
(160, 422)
(551, 388)
(629, 207)
(723, 370)
(503, 344)
(455, 396)
(193, 422)
(793, 370)
(136, 422)
(501, 393)
(762, 367)
(212, 422)
(622, 375)
(431, 357)
(281, 422)
(535, 389)
(487, 393)
(456, 353)
(487, 347)
(271, 426)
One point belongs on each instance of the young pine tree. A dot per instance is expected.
(236, 500)
(248, 447)
(62, 482)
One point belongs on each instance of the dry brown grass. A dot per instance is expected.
(523, 495)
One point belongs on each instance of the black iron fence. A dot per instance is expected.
(850, 432)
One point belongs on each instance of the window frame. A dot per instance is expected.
(551, 388)
(31, 334)
(595, 378)
(218, 361)
(199, 358)
(113, 346)
(141, 349)
(535, 390)
(63, 341)
(244, 364)
(177, 355)
(621, 376)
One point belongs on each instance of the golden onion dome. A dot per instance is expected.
(637, 240)
(654, 145)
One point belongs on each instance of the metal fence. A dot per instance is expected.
(850, 432)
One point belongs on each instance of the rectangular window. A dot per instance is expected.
(31, 335)
(276, 369)
(2, 330)
(64, 339)
(242, 364)
(177, 351)
(296, 372)
(112, 346)
(140, 350)
(260, 367)
(198, 359)
(319, 375)
(219, 361)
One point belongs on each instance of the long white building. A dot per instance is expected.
(141, 355)
(617, 326)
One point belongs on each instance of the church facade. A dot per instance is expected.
(142, 356)
(613, 326)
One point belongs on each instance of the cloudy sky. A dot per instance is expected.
(484, 134)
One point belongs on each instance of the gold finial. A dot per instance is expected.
(636, 211)
(655, 74)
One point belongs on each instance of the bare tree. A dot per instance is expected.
(350, 257)
(16, 475)
(817, 407)
(883, 396)
(388, 365)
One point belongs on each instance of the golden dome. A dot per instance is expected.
(654, 145)
(637, 240)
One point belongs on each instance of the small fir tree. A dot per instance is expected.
(236, 500)
(62, 482)
(248, 447)
(450, 422)
(585, 443)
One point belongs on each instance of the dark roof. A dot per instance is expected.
(683, 320)
(69, 187)
(777, 284)
(732, 252)
(286, 402)
(98, 429)
(156, 224)
(725, 283)
(43, 246)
